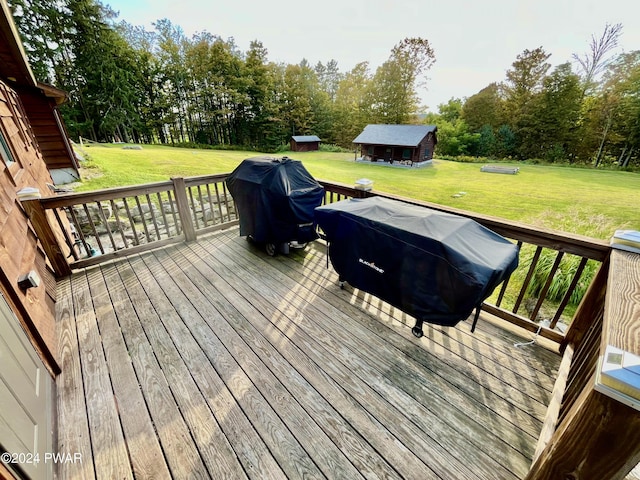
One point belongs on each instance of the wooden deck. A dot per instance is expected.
(211, 359)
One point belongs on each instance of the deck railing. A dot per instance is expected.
(592, 426)
(106, 224)
(586, 434)
(101, 225)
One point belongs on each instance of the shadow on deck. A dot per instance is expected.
(211, 359)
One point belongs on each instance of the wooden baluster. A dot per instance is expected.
(525, 284)
(547, 285)
(193, 208)
(215, 186)
(132, 223)
(226, 202)
(153, 216)
(70, 241)
(164, 215)
(105, 220)
(173, 203)
(93, 229)
(569, 292)
(211, 207)
(204, 216)
(120, 229)
(142, 219)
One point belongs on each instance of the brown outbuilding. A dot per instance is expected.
(397, 143)
(304, 143)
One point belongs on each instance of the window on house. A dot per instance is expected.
(406, 154)
(370, 150)
(5, 152)
(427, 152)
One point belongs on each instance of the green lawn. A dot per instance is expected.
(575, 200)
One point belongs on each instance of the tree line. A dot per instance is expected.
(587, 115)
(129, 84)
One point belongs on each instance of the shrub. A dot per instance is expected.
(333, 148)
(561, 279)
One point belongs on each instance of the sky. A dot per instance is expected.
(475, 42)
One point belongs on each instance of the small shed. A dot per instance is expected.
(397, 143)
(304, 143)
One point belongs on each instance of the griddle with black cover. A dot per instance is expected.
(275, 200)
(432, 265)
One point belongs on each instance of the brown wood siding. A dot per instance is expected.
(50, 134)
(417, 154)
(19, 250)
(304, 146)
(380, 153)
(428, 143)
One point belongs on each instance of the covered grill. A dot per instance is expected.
(432, 265)
(275, 200)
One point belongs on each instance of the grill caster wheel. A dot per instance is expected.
(417, 329)
(341, 284)
(270, 248)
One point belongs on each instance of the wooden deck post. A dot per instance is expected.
(184, 212)
(600, 438)
(599, 434)
(48, 239)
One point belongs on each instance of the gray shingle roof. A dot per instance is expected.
(400, 135)
(305, 138)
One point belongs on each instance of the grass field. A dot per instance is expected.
(574, 200)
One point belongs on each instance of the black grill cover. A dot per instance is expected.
(275, 199)
(435, 266)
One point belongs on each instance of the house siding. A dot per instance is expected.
(389, 142)
(20, 251)
(304, 146)
(427, 146)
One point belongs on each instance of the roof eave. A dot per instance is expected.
(21, 73)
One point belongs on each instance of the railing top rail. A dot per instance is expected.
(204, 179)
(69, 199)
(622, 317)
(563, 242)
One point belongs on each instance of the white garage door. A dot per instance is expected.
(25, 401)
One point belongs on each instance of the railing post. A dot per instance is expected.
(599, 439)
(184, 212)
(48, 239)
(598, 434)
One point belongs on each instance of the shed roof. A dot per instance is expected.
(400, 135)
(305, 138)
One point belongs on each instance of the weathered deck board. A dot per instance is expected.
(348, 336)
(473, 358)
(181, 454)
(366, 378)
(249, 322)
(147, 459)
(225, 363)
(73, 425)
